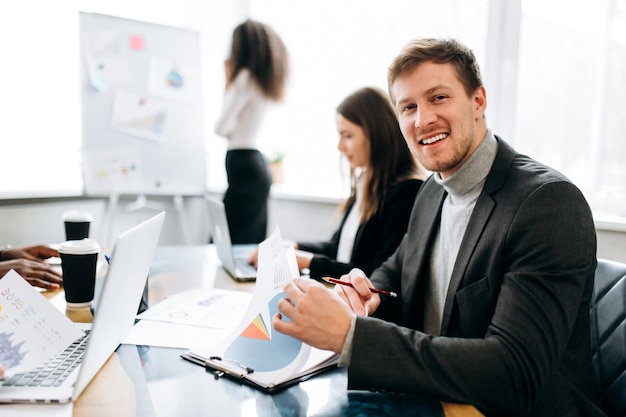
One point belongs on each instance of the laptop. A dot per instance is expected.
(115, 312)
(234, 258)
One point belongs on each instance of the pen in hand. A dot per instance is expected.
(348, 284)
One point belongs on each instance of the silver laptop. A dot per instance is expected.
(115, 311)
(234, 258)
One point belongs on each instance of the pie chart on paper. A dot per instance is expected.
(265, 350)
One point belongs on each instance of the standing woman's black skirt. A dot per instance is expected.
(246, 199)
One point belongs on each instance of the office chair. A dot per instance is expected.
(608, 335)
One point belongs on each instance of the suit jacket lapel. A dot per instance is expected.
(357, 239)
(480, 216)
(424, 222)
(478, 221)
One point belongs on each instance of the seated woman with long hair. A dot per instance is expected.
(384, 177)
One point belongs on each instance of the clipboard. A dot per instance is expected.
(236, 371)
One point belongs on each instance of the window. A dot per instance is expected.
(337, 47)
(557, 67)
(40, 99)
(40, 115)
(570, 94)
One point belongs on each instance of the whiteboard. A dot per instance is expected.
(142, 129)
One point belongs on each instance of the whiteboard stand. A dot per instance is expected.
(183, 217)
(107, 224)
(142, 202)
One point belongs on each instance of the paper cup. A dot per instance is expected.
(78, 261)
(77, 224)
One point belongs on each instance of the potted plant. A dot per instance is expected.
(276, 166)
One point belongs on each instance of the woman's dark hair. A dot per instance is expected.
(390, 158)
(258, 48)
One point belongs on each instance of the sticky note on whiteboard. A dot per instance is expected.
(136, 43)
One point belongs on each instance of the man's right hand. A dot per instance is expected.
(358, 297)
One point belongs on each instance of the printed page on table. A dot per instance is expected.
(203, 307)
(32, 330)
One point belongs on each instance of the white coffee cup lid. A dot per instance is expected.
(79, 247)
(77, 216)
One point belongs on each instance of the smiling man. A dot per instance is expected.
(494, 275)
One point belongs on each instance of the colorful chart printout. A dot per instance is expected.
(32, 330)
(263, 350)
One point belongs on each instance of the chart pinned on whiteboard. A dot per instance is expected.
(173, 80)
(107, 170)
(139, 116)
(105, 63)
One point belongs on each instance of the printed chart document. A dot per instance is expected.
(181, 320)
(216, 308)
(254, 352)
(32, 330)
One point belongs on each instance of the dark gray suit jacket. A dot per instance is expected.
(515, 334)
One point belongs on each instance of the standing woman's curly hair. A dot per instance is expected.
(258, 48)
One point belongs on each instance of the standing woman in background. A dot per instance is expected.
(256, 75)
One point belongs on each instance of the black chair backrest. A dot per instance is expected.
(608, 334)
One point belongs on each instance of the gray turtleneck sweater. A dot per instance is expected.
(463, 188)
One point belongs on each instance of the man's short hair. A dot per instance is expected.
(439, 51)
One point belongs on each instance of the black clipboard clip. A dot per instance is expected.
(219, 372)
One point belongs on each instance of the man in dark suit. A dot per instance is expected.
(494, 275)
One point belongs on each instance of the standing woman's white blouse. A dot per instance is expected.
(243, 112)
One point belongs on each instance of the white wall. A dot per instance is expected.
(25, 222)
(612, 245)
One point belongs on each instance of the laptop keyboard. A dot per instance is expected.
(242, 265)
(53, 373)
